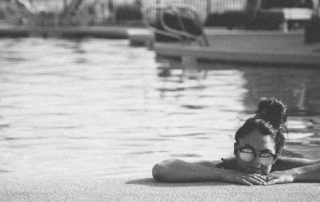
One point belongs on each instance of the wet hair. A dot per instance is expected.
(270, 119)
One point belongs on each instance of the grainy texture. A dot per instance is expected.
(145, 189)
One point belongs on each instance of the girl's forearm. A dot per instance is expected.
(180, 171)
(307, 173)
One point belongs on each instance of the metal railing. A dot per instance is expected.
(180, 22)
(106, 9)
(203, 7)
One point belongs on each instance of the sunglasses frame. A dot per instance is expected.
(255, 154)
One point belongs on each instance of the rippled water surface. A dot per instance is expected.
(97, 108)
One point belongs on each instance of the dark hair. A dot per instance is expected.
(270, 120)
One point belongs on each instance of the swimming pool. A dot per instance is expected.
(93, 107)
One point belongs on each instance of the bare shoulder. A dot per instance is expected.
(208, 163)
(224, 163)
(179, 162)
(285, 163)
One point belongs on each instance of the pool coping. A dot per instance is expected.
(146, 189)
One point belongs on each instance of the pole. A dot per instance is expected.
(65, 3)
(208, 7)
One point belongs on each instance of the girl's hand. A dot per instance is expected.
(251, 179)
(279, 177)
(245, 179)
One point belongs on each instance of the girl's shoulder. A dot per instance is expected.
(224, 163)
(227, 163)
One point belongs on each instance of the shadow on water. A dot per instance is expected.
(299, 88)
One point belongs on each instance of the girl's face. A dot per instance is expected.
(259, 146)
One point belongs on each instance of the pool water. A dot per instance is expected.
(97, 108)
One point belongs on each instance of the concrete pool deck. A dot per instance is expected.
(145, 189)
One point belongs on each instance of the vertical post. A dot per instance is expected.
(317, 7)
(65, 4)
(111, 10)
(208, 8)
(158, 2)
(253, 5)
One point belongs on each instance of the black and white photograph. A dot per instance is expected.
(159, 100)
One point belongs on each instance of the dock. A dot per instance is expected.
(274, 48)
(248, 47)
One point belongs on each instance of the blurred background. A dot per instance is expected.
(98, 107)
(230, 13)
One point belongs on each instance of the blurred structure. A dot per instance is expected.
(312, 29)
(266, 14)
(251, 14)
(69, 12)
(274, 14)
(203, 7)
(180, 23)
(101, 11)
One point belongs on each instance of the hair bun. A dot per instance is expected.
(272, 111)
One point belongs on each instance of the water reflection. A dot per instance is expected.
(299, 88)
(97, 108)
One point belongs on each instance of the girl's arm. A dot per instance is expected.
(298, 170)
(181, 171)
(309, 173)
(286, 163)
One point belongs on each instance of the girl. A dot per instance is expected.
(257, 148)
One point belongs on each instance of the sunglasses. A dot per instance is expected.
(247, 154)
